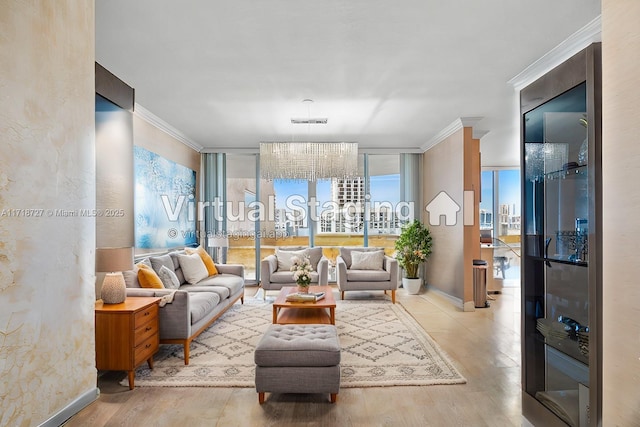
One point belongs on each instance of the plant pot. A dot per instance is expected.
(303, 289)
(412, 285)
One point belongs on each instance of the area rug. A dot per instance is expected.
(382, 345)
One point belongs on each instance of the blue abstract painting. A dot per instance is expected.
(164, 202)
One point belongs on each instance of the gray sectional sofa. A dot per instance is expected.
(191, 308)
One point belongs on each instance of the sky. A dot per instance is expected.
(509, 187)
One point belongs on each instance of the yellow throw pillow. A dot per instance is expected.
(206, 258)
(148, 278)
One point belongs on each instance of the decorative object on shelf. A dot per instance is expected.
(413, 247)
(218, 242)
(308, 161)
(301, 267)
(113, 261)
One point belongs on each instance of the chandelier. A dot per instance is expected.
(308, 161)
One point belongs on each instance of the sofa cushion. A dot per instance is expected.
(201, 304)
(229, 281)
(372, 260)
(285, 258)
(221, 291)
(206, 259)
(345, 252)
(148, 278)
(368, 276)
(131, 276)
(193, 268)
(169, 278)
(158, 261)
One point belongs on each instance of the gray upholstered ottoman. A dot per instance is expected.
(298, 359)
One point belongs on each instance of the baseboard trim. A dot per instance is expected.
(453, 300)
(72, 408)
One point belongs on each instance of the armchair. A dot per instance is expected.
(366, 269)
(275, 270)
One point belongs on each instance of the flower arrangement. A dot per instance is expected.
(413, 247)
(301, 271)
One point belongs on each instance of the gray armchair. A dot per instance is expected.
(275, 273)
(371, 271)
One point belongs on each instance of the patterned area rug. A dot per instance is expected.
(382, 345)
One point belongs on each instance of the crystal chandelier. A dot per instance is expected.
(308, 161)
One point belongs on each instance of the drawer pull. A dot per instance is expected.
(148, 345)
(146, 313)
(148, 329)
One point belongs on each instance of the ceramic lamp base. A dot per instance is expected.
(113, 289)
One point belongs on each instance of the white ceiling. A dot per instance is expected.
(387, 74)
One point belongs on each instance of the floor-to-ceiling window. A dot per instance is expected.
(500, 215)
(260, 215)
(242, 211)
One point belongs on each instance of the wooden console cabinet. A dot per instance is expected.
(127, 334)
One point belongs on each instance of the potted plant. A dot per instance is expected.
(413, 247)
(302, 273)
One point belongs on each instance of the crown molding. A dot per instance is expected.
(590, 33)
(156, 121)
(456, 125)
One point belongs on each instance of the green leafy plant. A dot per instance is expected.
(413, 247)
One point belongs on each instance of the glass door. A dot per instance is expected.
(556, 206)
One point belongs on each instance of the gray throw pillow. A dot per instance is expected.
(169, 278)
(285, 258)
(367, 260)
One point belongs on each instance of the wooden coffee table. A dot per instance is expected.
(285, 312)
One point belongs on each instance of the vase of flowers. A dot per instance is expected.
(301, 267)
(413, 247)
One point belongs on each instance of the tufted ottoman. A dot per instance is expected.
(298, 359)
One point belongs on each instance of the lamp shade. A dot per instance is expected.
(114, 259)
(218, 242)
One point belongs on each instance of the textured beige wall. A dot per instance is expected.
(114, 180)
(621, 210)
(47, 355)
(443, 171)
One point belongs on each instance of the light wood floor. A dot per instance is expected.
(485, 346)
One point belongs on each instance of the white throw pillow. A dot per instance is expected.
(367, 260)
(169, 278)
(285, 257)
(193, 268)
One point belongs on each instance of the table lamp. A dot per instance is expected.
(218, 242)
(114, 261)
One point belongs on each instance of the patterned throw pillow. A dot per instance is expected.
(367, 260)
(169, 278)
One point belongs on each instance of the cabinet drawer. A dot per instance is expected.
(146, 349)
(144, 332)
(144, 316)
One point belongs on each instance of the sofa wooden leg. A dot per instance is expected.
(334, 397)
(186, 345)
(261, 398)
(342, 295)
(242, 299)
(385, 291)
(393, 296)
